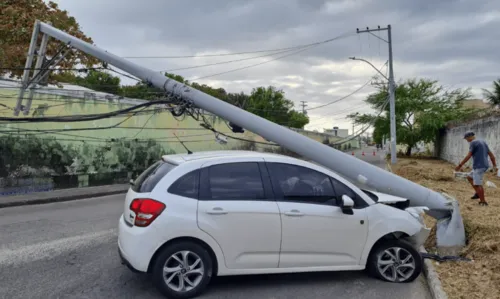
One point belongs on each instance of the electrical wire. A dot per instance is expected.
(79, 118)
(302, 49)
(366, 128)
(352, 93)
(224, 62)
(234, 53)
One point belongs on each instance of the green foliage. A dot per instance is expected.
(493, 96)
(17, 18)
(422, 108)
(58, 158)
(101, 81)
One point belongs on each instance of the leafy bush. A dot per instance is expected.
(32, 156)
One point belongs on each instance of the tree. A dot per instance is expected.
(271, 104)
(422, 108)
(101, 81)
(16, 25)
(493, 97)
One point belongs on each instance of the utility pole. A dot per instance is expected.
(392, 100)
(304, 105)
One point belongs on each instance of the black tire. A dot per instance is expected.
(157, 271)
(408, 249)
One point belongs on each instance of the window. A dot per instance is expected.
(151, 176)
(301, 184)
(187, 185)
(342, 189)
(235, 181)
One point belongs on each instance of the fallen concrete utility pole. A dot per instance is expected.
(451, 228)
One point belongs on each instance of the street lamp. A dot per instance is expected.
(392, 87)
(378, 71)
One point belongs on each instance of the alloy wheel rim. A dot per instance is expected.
(183, 271)
(396, 264)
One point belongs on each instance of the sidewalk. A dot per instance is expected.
(61, 195)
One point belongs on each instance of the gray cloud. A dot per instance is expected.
(454, 41)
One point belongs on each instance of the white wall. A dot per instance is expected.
(452, 147)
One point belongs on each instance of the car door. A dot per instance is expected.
(237, 208)
(315, 231)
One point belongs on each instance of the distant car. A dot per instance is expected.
(188, 218)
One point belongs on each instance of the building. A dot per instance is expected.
(343, 133)
(476, 103)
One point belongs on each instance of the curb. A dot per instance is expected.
(432, 277)
(430, 273)
(61, 198)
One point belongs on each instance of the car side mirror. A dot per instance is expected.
(347, 205)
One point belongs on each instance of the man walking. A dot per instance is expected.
(479, 151)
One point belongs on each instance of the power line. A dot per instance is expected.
(344, 97)
(78, 118)
(274, 59)
(234, 53)
(224, 62)
(143, 141)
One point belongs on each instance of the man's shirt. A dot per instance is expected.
(479, 150)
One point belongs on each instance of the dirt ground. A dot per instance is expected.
(479, 278)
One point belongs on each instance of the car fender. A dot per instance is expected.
(199, 235)
(384, 220)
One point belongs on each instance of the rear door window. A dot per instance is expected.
(146, 182)
(236, 181)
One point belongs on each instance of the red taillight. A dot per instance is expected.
(146, 210)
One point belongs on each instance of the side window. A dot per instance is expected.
(187, 185)
(301, 184)
(342, 189)
(235, 181)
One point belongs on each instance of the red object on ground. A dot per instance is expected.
(374, 153)
(363, 153)
(353, 153)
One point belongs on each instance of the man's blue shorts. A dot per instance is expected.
(477, 176)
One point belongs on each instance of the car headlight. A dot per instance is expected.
(417, 213)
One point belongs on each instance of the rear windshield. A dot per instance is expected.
(151, 176)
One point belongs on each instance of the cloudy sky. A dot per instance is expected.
(454, 41)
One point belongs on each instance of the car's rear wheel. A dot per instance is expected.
(395, 261)
(182, 270)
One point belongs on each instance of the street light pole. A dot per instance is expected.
(392, 99)
(392, 89)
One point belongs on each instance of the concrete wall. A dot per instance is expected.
(338, 132)
(74, 100)
(451, 146)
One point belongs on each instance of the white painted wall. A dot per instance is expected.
(452, 146)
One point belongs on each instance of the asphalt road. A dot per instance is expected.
(68, 250)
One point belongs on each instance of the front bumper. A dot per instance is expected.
(418, 239)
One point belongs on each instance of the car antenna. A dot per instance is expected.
(182, 143)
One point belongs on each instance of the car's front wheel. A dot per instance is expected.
(182, 270)
(395, 261)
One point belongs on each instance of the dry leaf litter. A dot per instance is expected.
(465, 280)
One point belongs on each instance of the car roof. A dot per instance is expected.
(182, 158)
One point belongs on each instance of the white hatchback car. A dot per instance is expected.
(188, 218)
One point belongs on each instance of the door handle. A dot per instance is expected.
(216, 211)
(294, 213)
